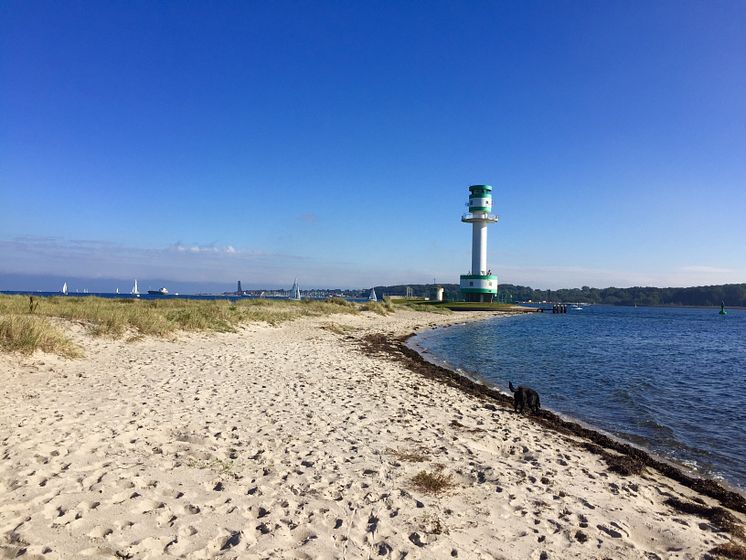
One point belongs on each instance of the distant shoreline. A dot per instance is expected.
(232, 296)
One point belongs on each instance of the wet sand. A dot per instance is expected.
(306, 441)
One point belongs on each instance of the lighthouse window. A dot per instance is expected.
(471, 283)
(489, 283)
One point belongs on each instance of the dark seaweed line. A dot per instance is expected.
(633, 458)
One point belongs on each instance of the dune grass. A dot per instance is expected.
(377, 307)
(114, 317)
(425, 307)
(27, 327)
(26, 333)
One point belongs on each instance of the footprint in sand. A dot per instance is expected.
(613, 533)
(99, 532)
(188, 531)
(147, 506)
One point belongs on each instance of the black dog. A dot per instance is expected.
(524, 397)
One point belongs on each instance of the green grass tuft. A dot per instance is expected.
(376, 307)
(26, 334)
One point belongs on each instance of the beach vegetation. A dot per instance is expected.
(376, 307)
(340, 301)
(26, 325)
(424, 307)
(475, 306)
(410, 456)
(432, 482)
(391, 305)
(27, 333)
(336, 328)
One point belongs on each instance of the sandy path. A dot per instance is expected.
(279, 442)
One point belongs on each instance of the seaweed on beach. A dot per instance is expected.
(628, 459)
(623, 465)
(381, 345)
(719, 518)
(730, 550)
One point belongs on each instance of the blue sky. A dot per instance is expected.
(335, 141)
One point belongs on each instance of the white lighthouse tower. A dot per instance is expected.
(480, 284)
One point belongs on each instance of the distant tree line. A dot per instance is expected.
(733, 295)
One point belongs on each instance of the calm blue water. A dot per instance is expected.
(147, 296)
(120, 296)
(672, 380)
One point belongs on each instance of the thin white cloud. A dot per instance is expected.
(181, 248)
(178, 261)
(213, 262)
(706, 269)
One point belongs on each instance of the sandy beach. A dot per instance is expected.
(305, 440)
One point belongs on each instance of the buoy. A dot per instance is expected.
(722, 309)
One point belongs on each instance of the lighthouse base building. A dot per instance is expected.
(480, 284)
(479, 287)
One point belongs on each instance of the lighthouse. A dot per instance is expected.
(480, 284)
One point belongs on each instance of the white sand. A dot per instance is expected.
(277, 442)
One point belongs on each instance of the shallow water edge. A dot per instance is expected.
(620, 456)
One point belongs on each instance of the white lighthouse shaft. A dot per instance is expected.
(479, 248)
(480, 284)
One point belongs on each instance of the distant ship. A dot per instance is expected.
(372, 296)
(159, 292)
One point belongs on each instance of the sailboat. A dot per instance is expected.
(135, 292)
(372, 296)
(295, 291)
(117, 290)
(64, 289)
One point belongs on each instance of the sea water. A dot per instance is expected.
(670, 380)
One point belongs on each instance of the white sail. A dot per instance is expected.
(117, 290)
(295, 291)
(135, 291)
(64, 288)
(372, 296)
